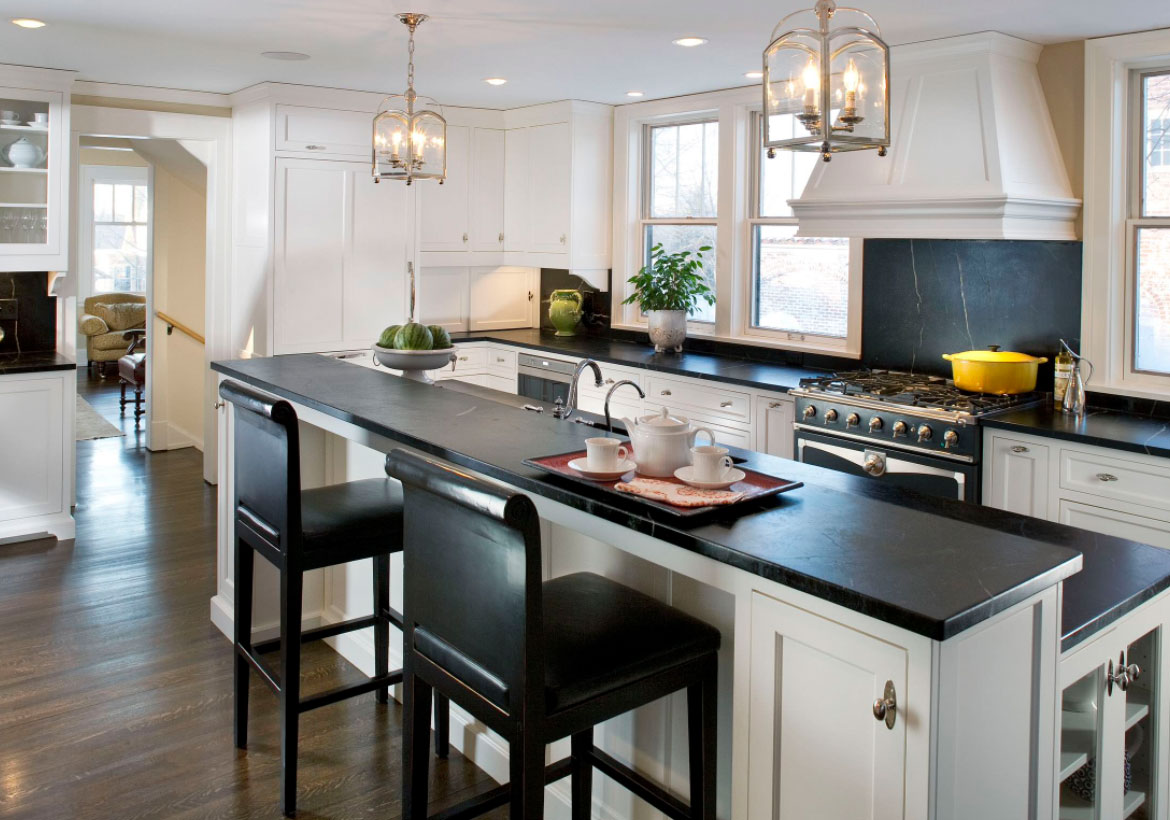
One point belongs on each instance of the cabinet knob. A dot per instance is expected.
(217, 405)
(609, 381)
(500, 359)
(1019, 449)
(314, 147)
(885, 708)
(563, 238)
(1123, 676)
(464, 237)
(462, 358)
(1106, 477)
(726, 403)
(775, 405)
(665, 393)
(501, 238)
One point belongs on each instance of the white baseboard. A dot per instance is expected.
(223, 618)
(180, 437)
(60, 525)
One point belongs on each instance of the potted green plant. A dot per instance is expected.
(667, 290)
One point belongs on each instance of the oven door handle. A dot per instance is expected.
(878, 463)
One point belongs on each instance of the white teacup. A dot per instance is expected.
(604, 454)
(9, 115)
(41, 118)
(711, 463)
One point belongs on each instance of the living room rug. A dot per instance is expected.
(91, 424)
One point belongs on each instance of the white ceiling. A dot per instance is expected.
(547, 49)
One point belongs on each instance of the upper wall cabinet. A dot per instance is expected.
(465, 215)
(34, 169)
(444, 209)
(323, 131)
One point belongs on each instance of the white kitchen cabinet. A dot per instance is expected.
(1122, 524)
(328, 132)
(340, 256)
(550, 169)
(1113, 709)
(487, 189)
(503, 297)
(443, 297)
(36, 439)
(815, 748)
(775, 416)
(1019, 475)
(34, 201)
(444, 210)
(517, 191)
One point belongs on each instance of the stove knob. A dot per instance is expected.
(950, 439)
(924, 434)
(874, 464)
(900, 428)
(830, 416)
(875, 424)
(852, 420)
(810, 411)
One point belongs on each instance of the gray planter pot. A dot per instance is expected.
(668, 329)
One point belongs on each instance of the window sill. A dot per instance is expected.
(841, 351)
(1130, 391)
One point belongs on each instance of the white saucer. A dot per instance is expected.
(11, 122)
(624, 467)
(684, 474)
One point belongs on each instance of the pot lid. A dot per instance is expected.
(995, 355)
(663, 422)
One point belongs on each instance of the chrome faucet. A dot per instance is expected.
(608, 423)
(564, 410)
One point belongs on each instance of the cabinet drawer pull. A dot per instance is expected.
(462, 358)
(501, 239)
(726, 403)
(563, 239)
(314, 147)
(664, 393)
(885, 708)
(609, 381)
(775, 405)
(464, 237)
(501, 359)
(1106, 477)
(1019, 449)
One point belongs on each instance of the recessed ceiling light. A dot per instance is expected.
(690, 42)
(288, 56)
(634, 93)
(494, 80)
(28, 22)
(754, 75)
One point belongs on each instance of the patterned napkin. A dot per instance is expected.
(678, 495)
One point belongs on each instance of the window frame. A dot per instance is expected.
(111, 175)
(1112, 191)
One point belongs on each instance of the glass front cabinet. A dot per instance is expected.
(1113, 727)
(34, 169)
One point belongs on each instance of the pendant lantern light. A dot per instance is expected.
(826, 87)
(409, 144)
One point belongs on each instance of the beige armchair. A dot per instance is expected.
(106, 317)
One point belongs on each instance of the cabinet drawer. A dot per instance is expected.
(501, 362)
(1132, 481)
(725, 434)
(716, 401)
(504, 384)
(322, 131)
(1113, 522)
(470, 359)
(611, 375)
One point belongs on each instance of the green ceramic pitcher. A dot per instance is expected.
(564, 310)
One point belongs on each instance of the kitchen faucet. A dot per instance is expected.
(563, 410)
(608, 423)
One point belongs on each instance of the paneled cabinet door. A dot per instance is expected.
(444, 223)
(1115, 522)
(31, 441)
(774, 430)
(1018, 480)
(501, 298)
(517, 193)
(487, 189)
(375, 257)
(550, 155)
(815, 746)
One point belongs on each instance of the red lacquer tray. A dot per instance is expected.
(754, 485)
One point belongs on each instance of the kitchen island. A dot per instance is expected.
(825, 597)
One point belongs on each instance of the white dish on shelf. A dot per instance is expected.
(687, 476)
(581, 466)
(12, 123)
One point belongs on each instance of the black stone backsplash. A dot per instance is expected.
(36, 324)
(596, 304)
(926, 297)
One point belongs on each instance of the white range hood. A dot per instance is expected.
(974, 154)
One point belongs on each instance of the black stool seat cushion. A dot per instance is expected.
(601, 635)
(362, 518)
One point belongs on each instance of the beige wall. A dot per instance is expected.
(180, 237)
(104, 156)
(1062, 75)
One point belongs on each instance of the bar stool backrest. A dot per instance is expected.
(471, 580)
(267, 467)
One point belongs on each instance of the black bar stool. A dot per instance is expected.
(535, 661)
(300, 531)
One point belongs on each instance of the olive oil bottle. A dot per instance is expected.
(1064, 366)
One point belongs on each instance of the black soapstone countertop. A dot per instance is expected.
(34, 362)
(932, 568)
(1103, 428)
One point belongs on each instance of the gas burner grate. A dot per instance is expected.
(913, 390)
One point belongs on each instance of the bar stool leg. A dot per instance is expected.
(526, 758)
(442, 726)
(416, 698)
(702, 719)
(243, 637)
(582, 786)
(382, 625)
(291, 585)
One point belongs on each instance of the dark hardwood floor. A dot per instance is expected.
(115, 690)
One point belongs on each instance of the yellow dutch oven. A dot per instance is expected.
(1002, 372)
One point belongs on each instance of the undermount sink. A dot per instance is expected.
(531, 405)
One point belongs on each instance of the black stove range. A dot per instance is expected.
(916, 431)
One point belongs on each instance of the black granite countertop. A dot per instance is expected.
(1103, 428)
(34, 362)
(931, 568)
(730, 369)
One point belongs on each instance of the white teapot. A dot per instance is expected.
(662, 442)
(25, 154)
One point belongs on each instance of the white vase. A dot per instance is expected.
(668, 329)
(24, 154)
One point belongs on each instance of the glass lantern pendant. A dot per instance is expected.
(409, 144)
(827, 88)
